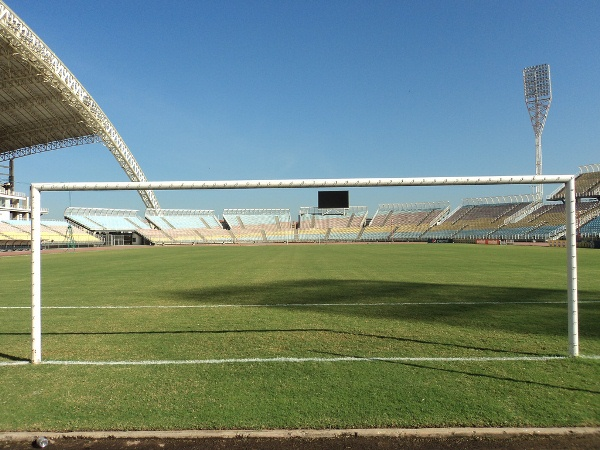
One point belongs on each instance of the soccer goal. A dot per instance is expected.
(38, 188)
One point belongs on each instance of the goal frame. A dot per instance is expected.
(38, 188)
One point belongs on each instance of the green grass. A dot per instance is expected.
(305, 301)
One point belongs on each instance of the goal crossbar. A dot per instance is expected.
(37, 188)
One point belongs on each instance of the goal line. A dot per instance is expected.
(38, 188)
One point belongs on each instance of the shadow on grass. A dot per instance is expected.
(485, 307)
(266, 331)
(475, 374)
(11, 357)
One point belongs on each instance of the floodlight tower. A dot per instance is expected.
(538, 96)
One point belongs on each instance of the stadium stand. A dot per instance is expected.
(60, 232)
(404, 221)
(16, 234)
(412, 220)
(340, 224)
(113, 226)
(587, 184)
(376, 233)
(587, 187)
(591, 229)
(217, 236)
(156, 236)
(16, 229)
(312, 235)
(589, 219)
(102, 220)
(260, 225)
(182, 218)
(184, 226)
(478, 218)
(546, 222)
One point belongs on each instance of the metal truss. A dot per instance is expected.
(418, 206)
(517, 198)
(179, 212)
(256, 211)
(45, 66)
(46, 147)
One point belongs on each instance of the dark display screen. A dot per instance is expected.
(334, 199)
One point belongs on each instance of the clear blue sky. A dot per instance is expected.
(212, 90)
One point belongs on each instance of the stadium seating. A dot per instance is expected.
(165, 219)
(344, 234)
(216, 236)
(591, 229)
(478, 218)
(260, 225)
(376, 233)
(16, 229)
(103, 220)
(12, 230)
(288, 235)
(545, 221)
(336, 225)
(404, 221)
(587, 184)
(505, 218)
(84, 222)
(183, 226)
(312, 235)
(52, 232)
(156, 236)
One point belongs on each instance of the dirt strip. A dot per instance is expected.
(365, 439)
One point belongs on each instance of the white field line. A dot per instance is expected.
(302, 360)
(297, 305)
(290, 360)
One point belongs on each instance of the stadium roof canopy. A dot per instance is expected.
(44, 107)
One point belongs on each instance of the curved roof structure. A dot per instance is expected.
(44, 107)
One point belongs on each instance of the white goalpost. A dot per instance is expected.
(38, 188)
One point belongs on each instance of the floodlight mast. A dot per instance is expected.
(538, 96)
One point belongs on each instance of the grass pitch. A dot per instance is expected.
(289, 336)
